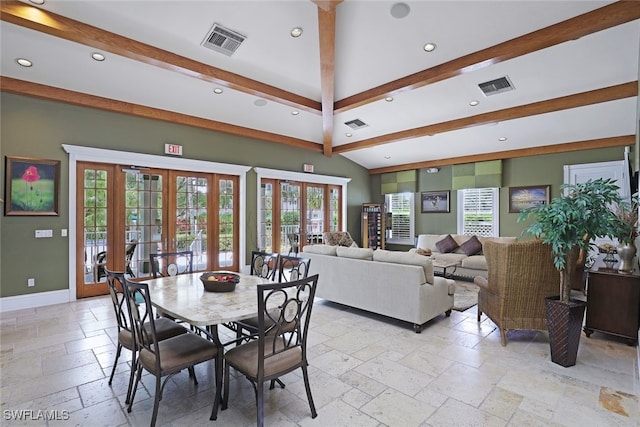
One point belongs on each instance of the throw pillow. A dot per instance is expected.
(330, 238)
(345, 240)
(446, 245)
(471, 246)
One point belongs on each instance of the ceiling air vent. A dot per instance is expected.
(223, 40)
(356, 124)
(494, 87)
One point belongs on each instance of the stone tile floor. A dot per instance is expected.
(365, 370)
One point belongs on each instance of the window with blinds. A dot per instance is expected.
(400, 208)
(478, 212)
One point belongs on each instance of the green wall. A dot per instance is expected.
(534, 170)
(35, 128)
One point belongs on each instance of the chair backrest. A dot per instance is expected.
(117, 290)
(522, 274)
(293, 268)
(264, 264)
(128, 255)
(171, 263)
(284, 312)
(142, 318)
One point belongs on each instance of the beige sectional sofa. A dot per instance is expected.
(400, 285)
(469, 264)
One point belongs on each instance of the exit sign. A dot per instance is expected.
(173, 149)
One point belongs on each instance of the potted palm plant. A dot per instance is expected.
(567, 224)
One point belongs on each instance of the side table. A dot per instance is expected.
(613, 302)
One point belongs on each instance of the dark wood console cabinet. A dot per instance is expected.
(613, 303)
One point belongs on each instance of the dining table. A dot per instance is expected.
(183, 297)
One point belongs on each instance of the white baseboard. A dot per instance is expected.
(21, 302)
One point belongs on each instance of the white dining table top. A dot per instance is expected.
(183, 297)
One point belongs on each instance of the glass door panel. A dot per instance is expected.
(314, 213)
(227, 227)
(145, 217)
(93, 230)
(190, 220)
(265, 217)
(290, 207)
(334, 208)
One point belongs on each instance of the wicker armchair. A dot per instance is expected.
(520, 276)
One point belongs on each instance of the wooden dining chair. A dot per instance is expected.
(165, 358)
(166, 264)
(281, 346)
(165, 328)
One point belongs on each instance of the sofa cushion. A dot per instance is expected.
(449, 258)
(446, 245)
(320, 249)
(428, 241)
(409, 258)
(472, 246)
(357, 253)
(475, 262)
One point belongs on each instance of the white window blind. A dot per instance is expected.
(400, 206)
(478, 210)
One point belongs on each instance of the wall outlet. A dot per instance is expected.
(31, 282)
(63, 232)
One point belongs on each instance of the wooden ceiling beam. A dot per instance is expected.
(609, 16)
(35, 90)
(619, 141)
(327, 36)
(612, 93)
(68, 29)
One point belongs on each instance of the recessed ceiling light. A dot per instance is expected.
(474, 102)
(97, 56)
(260, 102)
(24, 62)
(348, 135)
(430, 47)
(502, 138)
(295, 113)
(37, 1)
(296, 32)
(400, 10)
(389, 99)
(217, 91)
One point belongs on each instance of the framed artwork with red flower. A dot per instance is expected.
(31, 186)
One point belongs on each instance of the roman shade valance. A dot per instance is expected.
(399, 182)
(477, 175)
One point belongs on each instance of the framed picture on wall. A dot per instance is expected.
(521, 198)
(31, 186)
(435, 201)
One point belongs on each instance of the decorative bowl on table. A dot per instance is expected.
(219, 281)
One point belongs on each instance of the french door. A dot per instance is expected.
(291, 210)
(125, 214)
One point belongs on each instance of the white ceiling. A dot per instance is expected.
(372, 48)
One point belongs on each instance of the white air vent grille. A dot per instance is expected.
(494, 87)
(356, 124)
(223, 40)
